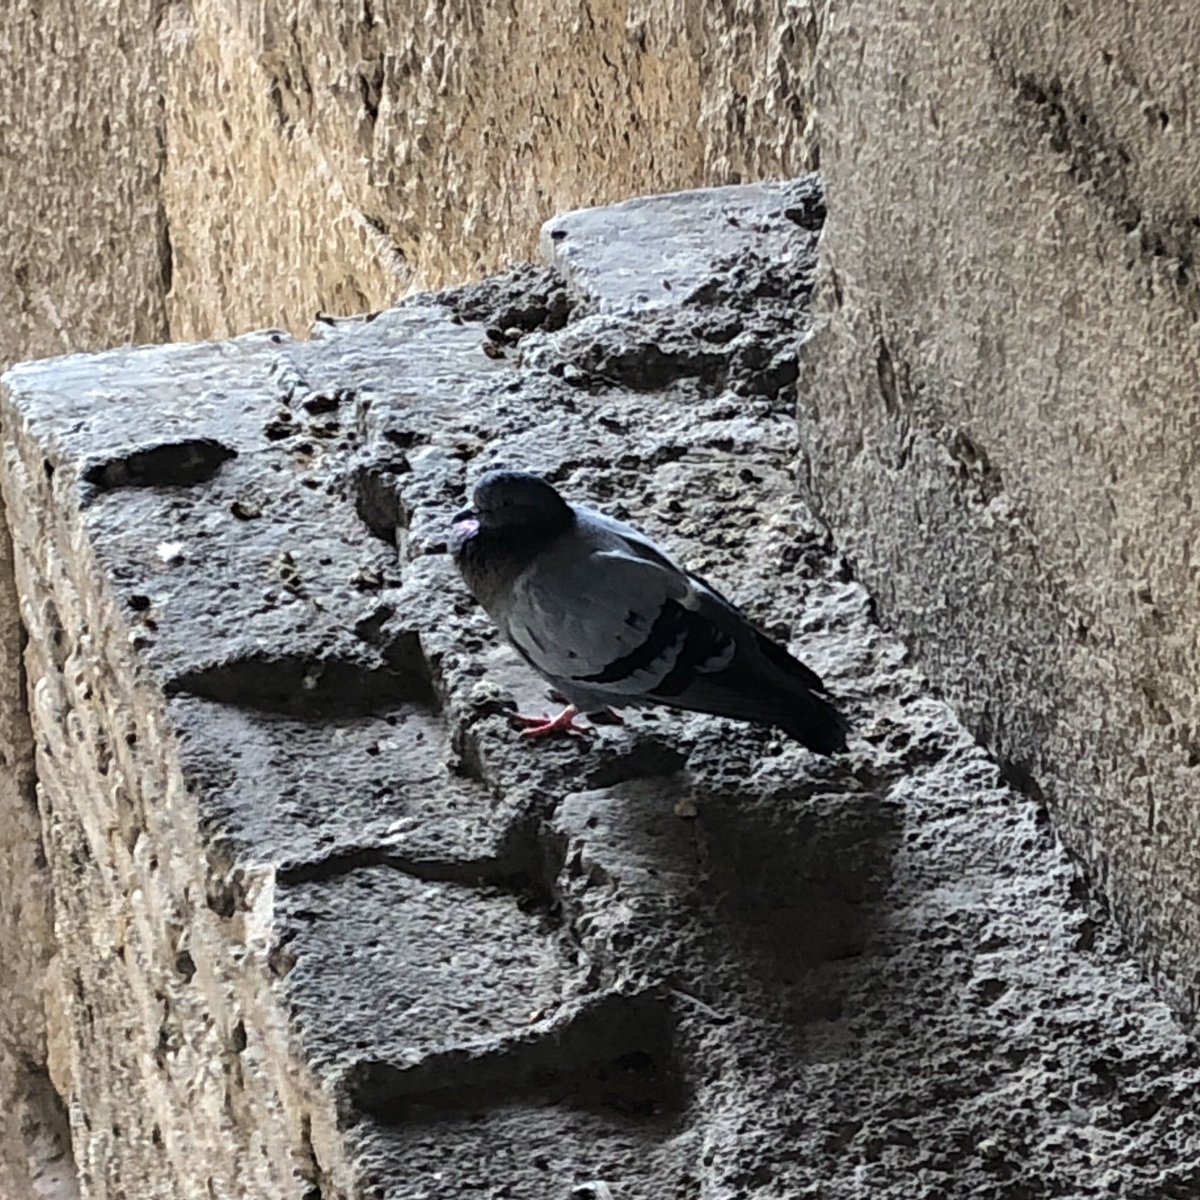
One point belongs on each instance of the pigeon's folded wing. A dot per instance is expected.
(615, 621)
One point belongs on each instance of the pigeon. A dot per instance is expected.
(611, 621)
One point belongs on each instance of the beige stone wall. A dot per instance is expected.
(227, 165)
(1001, 415)
(83, 263)
(330, 156)
(33, 1137)
(83, 255)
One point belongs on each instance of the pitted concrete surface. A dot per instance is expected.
(330, 929)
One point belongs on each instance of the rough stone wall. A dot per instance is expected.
(34, 1141)
(999, 418)
(84, 260)
(328, 928)
(219, 166)
(83, 263)
(331, 155)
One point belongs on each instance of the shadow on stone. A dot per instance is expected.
(310, 687)
(796, 881)
(614, 1056)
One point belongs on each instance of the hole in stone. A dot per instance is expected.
(810, 214)
(307, 687)
(221, 898)
(169, 464)
(45, 1128)
(405, 439)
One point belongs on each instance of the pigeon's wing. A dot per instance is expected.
(711, 604)
(612, 622)
(771, 650)
(757, 680)
(611, 618)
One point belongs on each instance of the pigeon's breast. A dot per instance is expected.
(490, 562)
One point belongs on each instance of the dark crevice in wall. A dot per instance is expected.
(166, 251)
(291, 90)
(370, 77)
(46, 1133)
(165, 243)
(29, 782)
(309, 1169)
(1099, 160)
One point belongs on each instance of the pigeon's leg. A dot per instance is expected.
(601, 716)
(541, 726)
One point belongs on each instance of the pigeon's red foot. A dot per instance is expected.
(541, 726)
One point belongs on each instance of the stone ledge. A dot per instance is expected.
(326, 928)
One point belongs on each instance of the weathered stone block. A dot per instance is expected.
(327, 927)
(998, 419)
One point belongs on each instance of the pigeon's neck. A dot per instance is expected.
(493, 560)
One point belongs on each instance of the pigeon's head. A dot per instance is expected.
(514, 503)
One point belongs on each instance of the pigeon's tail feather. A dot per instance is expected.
(794, 708)
(814, 722)
(803, 711)
(762, 682)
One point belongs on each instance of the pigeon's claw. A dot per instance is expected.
(542, 726)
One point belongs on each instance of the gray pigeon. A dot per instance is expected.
(604, 615)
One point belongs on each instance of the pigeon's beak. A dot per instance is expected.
(464, 526)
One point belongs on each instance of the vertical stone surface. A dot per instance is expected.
(999, 416)
(221, 165)
(34, 1141)
(332, 155)
(85, 260)
(326, 927)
